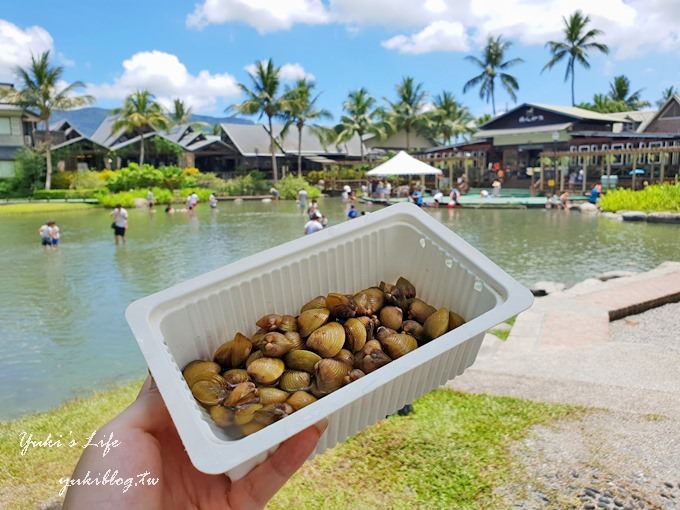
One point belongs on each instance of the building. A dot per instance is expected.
(398, 141)
(17, 127)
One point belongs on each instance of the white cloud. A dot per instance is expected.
(437, 36)
(167, 78)
(288, 72)
(263, 15)
(17, 45)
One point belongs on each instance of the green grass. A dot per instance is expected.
(42, 207)
(450, 453)
(653, 198)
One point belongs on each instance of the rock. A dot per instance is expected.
(612, 216)
(663, 217)
(545, 288)
(634, 216)
(668, 484)
(140, 203)
(588, 208)
(610, 275)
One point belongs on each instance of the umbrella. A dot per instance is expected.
(637, 171)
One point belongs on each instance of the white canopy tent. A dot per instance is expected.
(403, 165)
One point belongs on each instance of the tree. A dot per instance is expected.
(483, 119)
(619, 90)
(263, 99)
(578, 41)
(181, 113)
(493, 65)
(139, 114)
(448, 119)
(407, 112)
(666, 95)
(41, 90)
(603, 103)
(360, 119)
(299, 109)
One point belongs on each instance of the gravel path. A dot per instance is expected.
(658, 326)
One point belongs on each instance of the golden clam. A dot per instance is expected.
(253, 356)
(436, 324)
(273, 412)
(222, 416)
(407, 289)
(369, 301)
(245, 414)
(368, 360)
(242, 394)
(345, 356)
(276, 344)
(354, 375)
(269, 322)
(300, 399)
(384, 332)
(212, 391)
(455, 320)
(295, 380)
(356, 334)
(270, 395)
(302, 360)
(251, 427)
(317, 302)
(236, 376)
(419, 310)
(266, 370)
(296, 339)
(341, 306)
(327, 340)
(391, 317)
(288, 323)
(415, 329)
(234, 352)
(200, 370)
(258, 338)
(399, 344)
(330, 375)
(311, 320)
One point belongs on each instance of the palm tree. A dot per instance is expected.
(140, 112)
(578, 41)
(360, 119)
(483, 119)
(449, 119)
(263, 98)
(666, 95)
(181, 113)
(407, 112)
(493, 65)
(40, 90)
(299, 108)
(619, 90)
(604, 103)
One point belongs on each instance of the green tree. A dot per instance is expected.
(407, 112)
(619, 90)
(300, 110)
(578, 41)
(263, 98)
(449, 119)
(603, 103)
(666, 95)
(181, 113)
(494, 65)
(360, 119)
(140, 114)
(40, 89)
(483, 119)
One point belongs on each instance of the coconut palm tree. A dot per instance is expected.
(300, 110)
(181, 113)
(40, 89)
(494, 65)
(360, 119)
(666, 95)
(139, 114)
(604, 103)
(483, 119)
(263, 98)
(619, 90)
(448, 118)
(578, 41)
(408, 111)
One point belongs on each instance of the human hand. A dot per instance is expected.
(149, 443)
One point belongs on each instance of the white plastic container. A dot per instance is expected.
(190, 320)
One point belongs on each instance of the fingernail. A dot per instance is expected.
(321, 426)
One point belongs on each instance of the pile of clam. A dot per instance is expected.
(290, 362)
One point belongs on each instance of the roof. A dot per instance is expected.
(626, 135)
(312, 145)
(488, 133)
(673, 98)
(250, 139)
(403, 164)
(103, 135)
(574, 111)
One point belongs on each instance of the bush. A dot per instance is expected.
(30, 171)
(341, 173)
(127, 198)
(147, 176)
(290, 185)
(252, 184)
(209, 180)
(653, 198)
(203, 194)
(87, 180)
(62, 180)
(61, 194)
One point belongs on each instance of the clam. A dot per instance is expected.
(384, 332)
(399, 344)
(222, 416)
(235, 376)
(345, 356)
(266, 370)
(371, 358)
(269, 322)
(273, 412)
(296, 339)
(270, 395)
(295, 380)
(251, 427)
(288, 323)
(369, 301)
(419, 310)
(341, 306)
(200, 370)
(233, 353)
(393, 295)
(354, 375)
(317, 302)
(302, 360)
(391, 317)
(436, 324)
(311, 320)
(253, 356)
(246, 413)
(370, 323)
(407, 289)
(327, 340)
(356, 334)
(372, 345)
(300, 399)
(330, 375)
(455, 320)
(210, 392)
(276, 344)
(258, 338)
(243, 394)
(386, 287)
(415, 329)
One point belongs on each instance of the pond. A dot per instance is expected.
(62, 329)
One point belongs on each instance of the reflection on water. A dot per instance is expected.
(62, 329)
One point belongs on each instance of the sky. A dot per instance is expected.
(200, 51)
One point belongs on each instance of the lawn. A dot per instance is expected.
(450, 453)
(46, 207)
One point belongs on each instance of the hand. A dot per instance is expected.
(149, 443)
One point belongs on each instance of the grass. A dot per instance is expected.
(46, 207)
(654, 198)
(451, 452)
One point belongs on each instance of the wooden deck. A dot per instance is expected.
(477, 202)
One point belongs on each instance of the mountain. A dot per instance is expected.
(87, 120)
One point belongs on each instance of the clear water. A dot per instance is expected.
(62, 329)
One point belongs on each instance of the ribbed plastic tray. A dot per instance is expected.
(190, 320)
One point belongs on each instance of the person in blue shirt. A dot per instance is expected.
(352, 213)
(595, 194)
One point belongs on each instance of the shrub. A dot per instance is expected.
(127, 198)
(62, 180)
(209, 180)
(87, 180)
(652, 198)
(147, 176)
(290, 185)
(252, 184)
(52, 194)
(203, 194)
(30, 170)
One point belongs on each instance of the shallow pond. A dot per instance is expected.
(62, 329)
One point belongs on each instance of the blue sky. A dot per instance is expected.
(199, 51)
